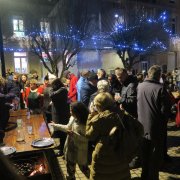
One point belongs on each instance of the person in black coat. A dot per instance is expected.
(46, 100)
(60, 108)
(127, 97)
(153, 112)
(115, 85)
(14, 86)
(5, 105)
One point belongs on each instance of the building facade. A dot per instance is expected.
(19, 18)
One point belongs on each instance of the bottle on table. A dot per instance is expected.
(20, 133)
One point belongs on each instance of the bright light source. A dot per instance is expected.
(116, 15)
(108, 47)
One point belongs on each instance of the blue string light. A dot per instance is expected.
(96, 40)
(120, 33)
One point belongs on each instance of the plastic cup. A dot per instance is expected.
(29, 129)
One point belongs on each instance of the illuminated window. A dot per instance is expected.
(45, 27)
(144, 66)
(20, 62)
(18, 26)
(45, 56)
(119, 21)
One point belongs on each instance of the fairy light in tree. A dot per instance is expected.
(74, 36)
(122, 35)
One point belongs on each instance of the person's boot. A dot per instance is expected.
(135, 163)
(167, 158)
(59, 153)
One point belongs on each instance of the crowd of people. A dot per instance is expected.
(85, 112)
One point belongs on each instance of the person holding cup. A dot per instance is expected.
(127, 97)
(76, 145)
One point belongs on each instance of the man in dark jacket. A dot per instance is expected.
(14, 86)
(153, 111)
(88, 88)
(128, 94)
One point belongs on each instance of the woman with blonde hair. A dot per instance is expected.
(107, 162)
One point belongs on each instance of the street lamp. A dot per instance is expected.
(116, 15)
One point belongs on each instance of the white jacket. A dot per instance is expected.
(76, 146)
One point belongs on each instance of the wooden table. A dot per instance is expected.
(25, 150)
(21, 112)
(39, 130)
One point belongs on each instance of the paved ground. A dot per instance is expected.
(169, 171)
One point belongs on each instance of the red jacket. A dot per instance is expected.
(72, 94)
(27, 91)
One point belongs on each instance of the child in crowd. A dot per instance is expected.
(76, 146)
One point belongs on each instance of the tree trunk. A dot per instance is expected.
(56, 71)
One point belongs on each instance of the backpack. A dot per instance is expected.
(128, 137)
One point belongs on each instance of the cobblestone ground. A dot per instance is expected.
(169, 171)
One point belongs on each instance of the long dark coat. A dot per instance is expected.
(60, 106)
(60, 112)
(153, 108)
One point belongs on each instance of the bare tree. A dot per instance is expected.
(136, 31)
(69, 26)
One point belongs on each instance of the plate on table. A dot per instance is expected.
(8, 150)
(42, 142)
